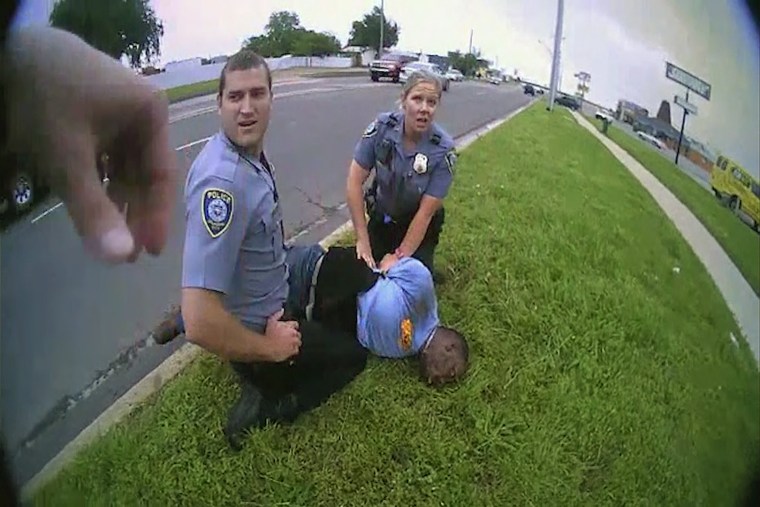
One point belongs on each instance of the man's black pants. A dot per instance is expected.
(328, 360)
(386, 237)
(331, 355)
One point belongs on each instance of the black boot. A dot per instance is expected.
(282, 410)
(169, 328)
(244, 415)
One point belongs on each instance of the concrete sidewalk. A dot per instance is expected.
(737, 292)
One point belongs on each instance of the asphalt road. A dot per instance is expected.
(75, 334)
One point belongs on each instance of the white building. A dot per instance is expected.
(366, 54)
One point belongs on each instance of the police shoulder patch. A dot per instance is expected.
(371, 130)
(405, 338)
(217, 207)
(451, 160)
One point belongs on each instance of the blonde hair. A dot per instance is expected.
(417, 77)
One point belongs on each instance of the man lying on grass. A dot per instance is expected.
(391, 310)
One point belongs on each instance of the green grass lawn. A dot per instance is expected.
(189, 91)
(740, 242)
(599, 376)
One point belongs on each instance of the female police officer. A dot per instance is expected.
(414, 159)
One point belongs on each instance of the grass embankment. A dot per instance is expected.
(600, 376)
(189, 91)
(740, 242)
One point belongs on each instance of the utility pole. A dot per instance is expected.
(470, 50)
(683, 124)
(556, 55)
(382, 27)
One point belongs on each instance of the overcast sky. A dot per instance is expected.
(623, 44)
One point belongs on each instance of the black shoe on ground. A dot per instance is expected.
(282, 410)
(167, 330)
(244, 415)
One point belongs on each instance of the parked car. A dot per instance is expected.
(529, 90)
(650, 139)
(454, 75)
(495, 79)
(411, 68)
(601, 115)
(568, 101)
(19, 187)
(389, 66)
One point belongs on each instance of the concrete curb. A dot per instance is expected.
(736, 291)
(178, 361)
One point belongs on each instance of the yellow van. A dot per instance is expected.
(739, 189)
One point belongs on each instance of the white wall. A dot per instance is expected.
(367, 57)
(190, 63)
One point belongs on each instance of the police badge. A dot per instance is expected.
(371, 130)
(420, 163)
(217, 210)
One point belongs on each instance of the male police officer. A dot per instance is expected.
(234, 276)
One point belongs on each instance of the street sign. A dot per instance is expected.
(688, 106)
(688, 79)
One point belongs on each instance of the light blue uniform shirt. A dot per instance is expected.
(405, 293)
(403, 177)
(234, 237)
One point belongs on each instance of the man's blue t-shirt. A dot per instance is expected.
(397, 315)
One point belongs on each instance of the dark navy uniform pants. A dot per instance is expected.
(385, 236)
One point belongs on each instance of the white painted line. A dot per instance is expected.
(46, 212)
(190, 145)
(168, 369)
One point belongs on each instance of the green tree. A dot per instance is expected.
(283, 31)
(467, 64)
(116, 27)
(366, 33)
(283, 35)
(310, 43)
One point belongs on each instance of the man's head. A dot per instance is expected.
(445, 357)
(245, 100)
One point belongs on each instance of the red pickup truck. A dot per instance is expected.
(389, 66)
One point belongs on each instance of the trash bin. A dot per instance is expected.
(605, 125)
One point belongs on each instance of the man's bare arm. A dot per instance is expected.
(209, 325)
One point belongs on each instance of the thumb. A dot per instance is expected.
(102, 228)
(276, 315)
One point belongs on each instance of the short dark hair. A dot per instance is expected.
(243, 60)
(445, 358)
